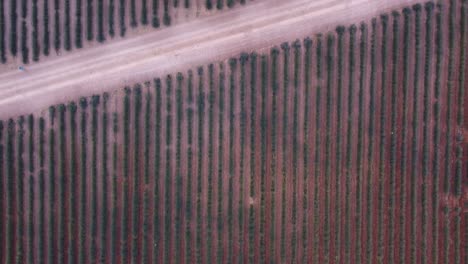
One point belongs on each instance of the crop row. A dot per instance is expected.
(69, 23)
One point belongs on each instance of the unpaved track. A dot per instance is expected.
(107, 67)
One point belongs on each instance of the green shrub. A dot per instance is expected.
(13, 27)
(95, 100)
(42, 228)
(167, 17)
(123, 28)
(317, 145)
(219, 4)
(144, 13)
(330, 67)
(208, 4)
(286, 48)
(63, 201)
(100, 15)
(168, 177)
(230, 3)
(458, 185)
(136, 207)
(35, 32)
(230, 217)
(340, 30)
(24, 32)
(111, 18)
(146, 201)
(133, 17)
(201, 116)
(46, 28)
(115, 235)
(83, 175)
(178, 176)
(57, 32)
(32, 194)
(12, 190)
(436, 133)
(189, 202)
(306, 148)
(89, 20)
(126, 228)
(297, 57)
(20, 163)
(72, 108)
(2, 33)
(263, 133)
(67, 42)
(78, 26)
(349, 142)
(275, 87)
(105, 177)
(415, 127)
(53, 236)
(253, 122)
(211, 97)
(157, 165)
(155, 20)
(24, 43)
(393, 136)
(243, 83)
(219, 216)
(404, 132)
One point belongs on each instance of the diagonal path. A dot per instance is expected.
(124, 62)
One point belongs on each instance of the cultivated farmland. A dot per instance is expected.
(31, 29)
(347, 146)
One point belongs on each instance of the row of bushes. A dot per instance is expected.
(351, 70)
(317, 145)
(157, 164)
(53, 236)
(340, 30)
(220, 217)
(23, 40)
(83, 104)
(370, 154)
(297, 54)
(32, 194)
(201, 117)
(178, 173)
(253, 173)
(275, 87)
(95, 101)
(146, 194)
(105, 176)
(126, 210)
(21, 250)
(136, 199)
(190, 156)
(415, 127)
(230, 218)
(306, 147)
(168, 174)
(209, 225)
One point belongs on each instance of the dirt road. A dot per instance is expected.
(108, 67)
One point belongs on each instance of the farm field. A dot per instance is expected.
(33, 30)
(346, 145)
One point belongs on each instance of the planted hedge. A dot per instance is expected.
(74, 183)
(95, 100)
